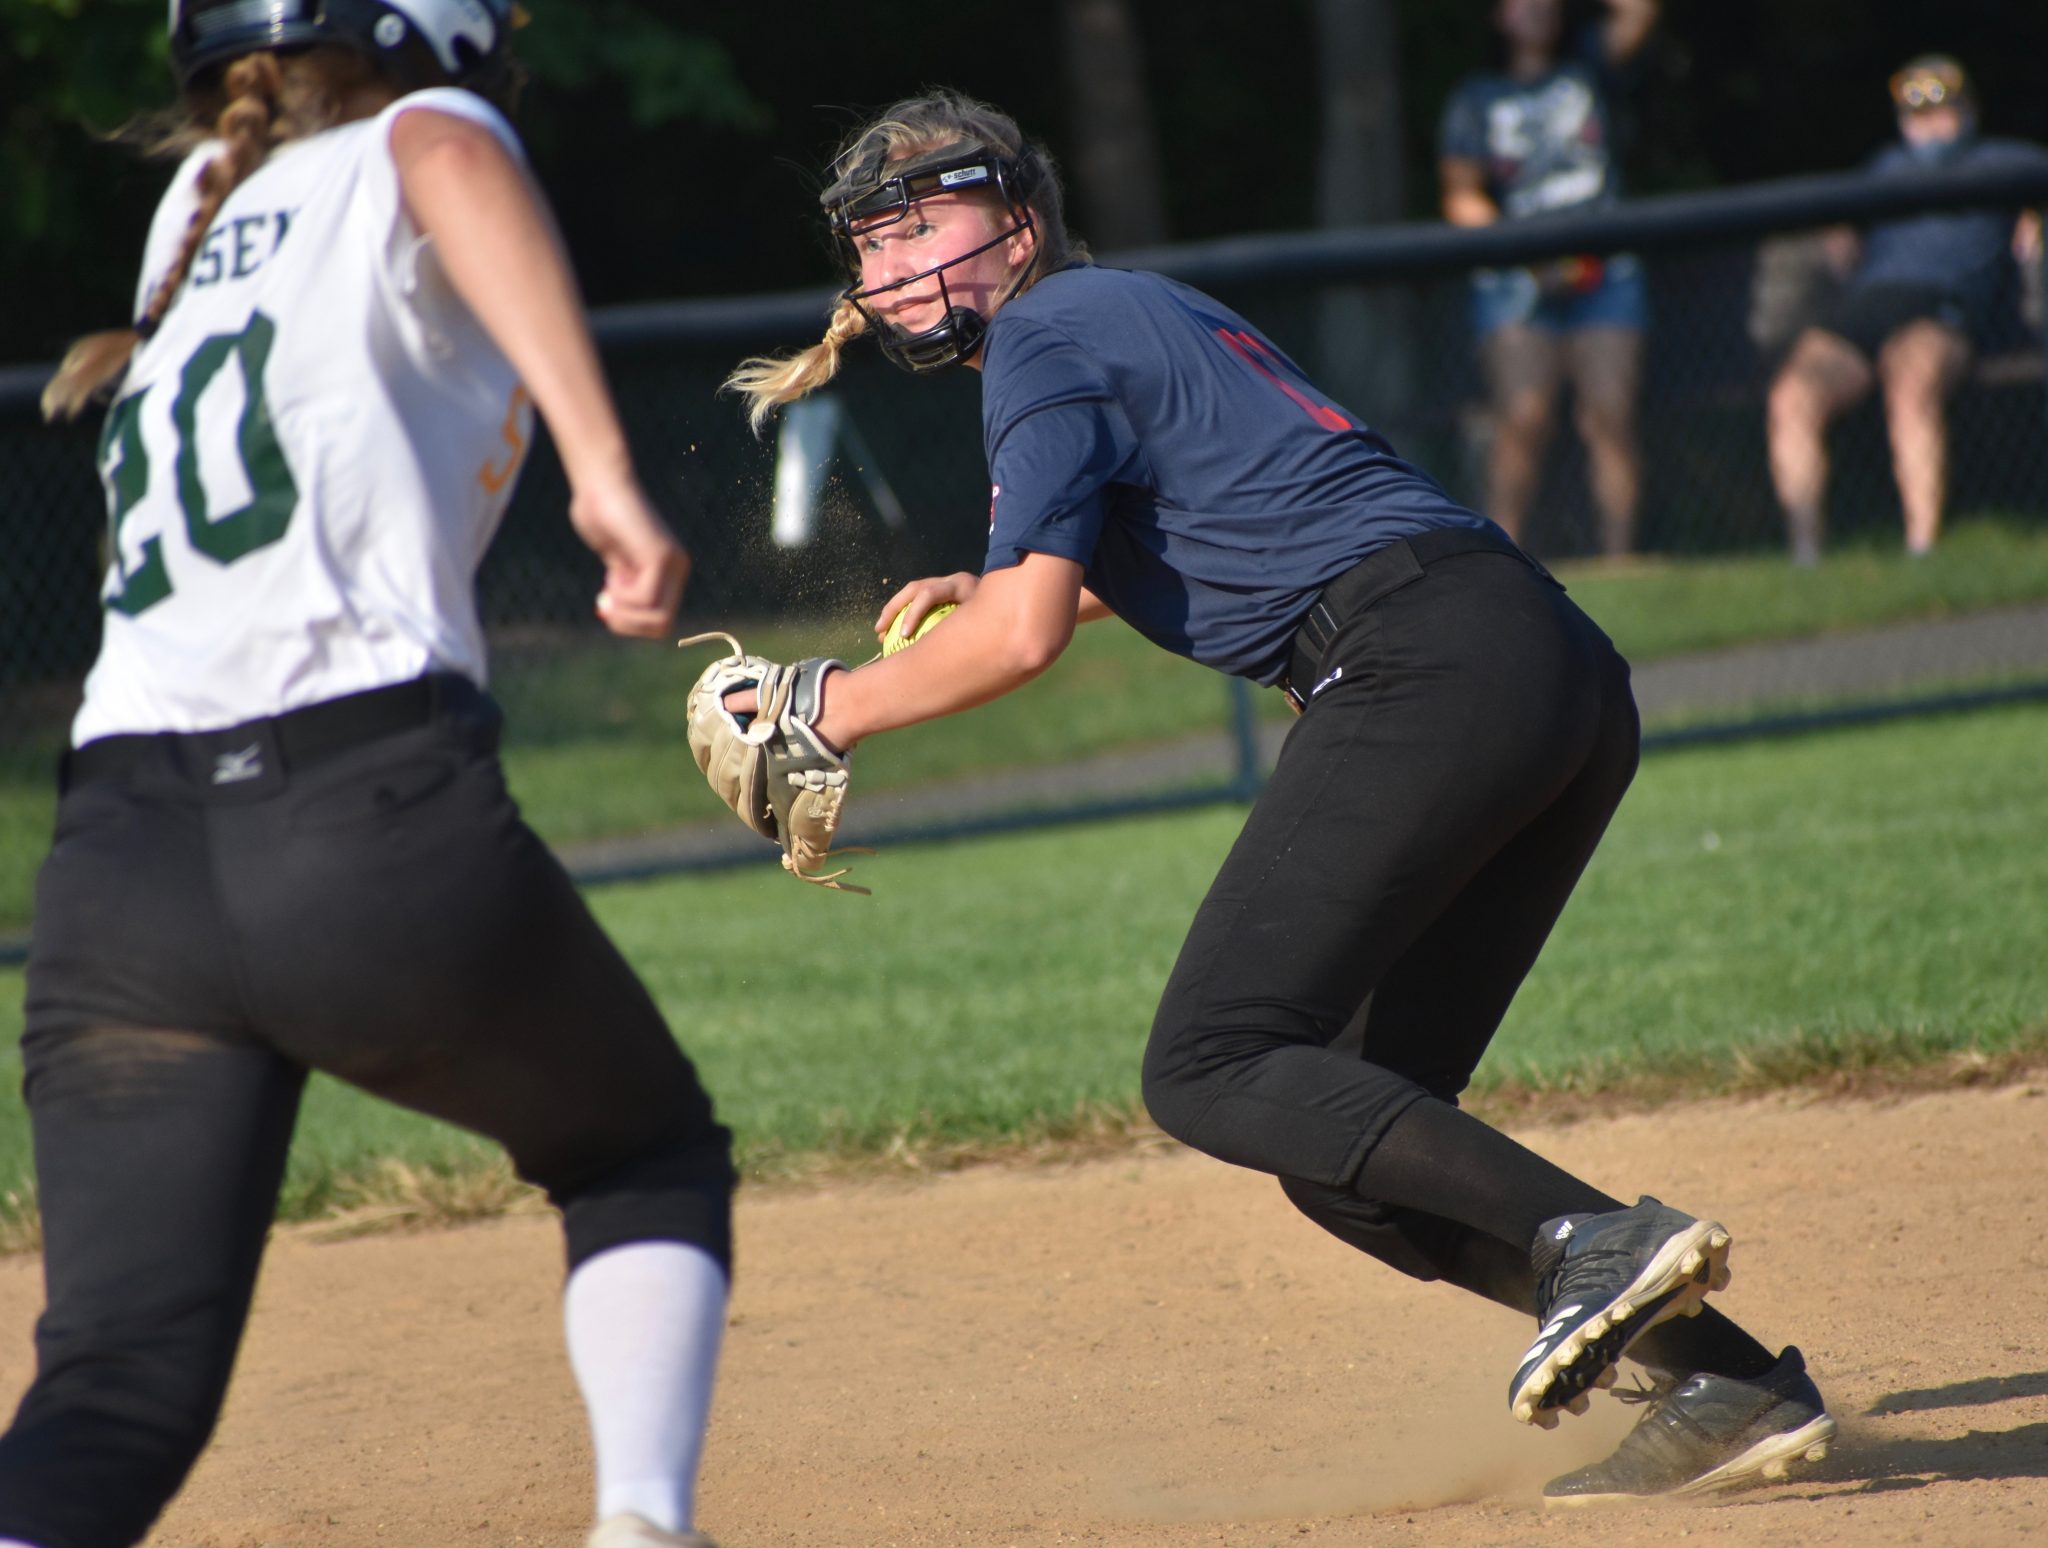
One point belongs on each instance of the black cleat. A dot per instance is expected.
(1707, 1433)
(1602, 1281)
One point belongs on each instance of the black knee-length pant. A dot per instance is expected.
(221, 913)
(1429, 816)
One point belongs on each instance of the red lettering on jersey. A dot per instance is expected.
(1252, 351)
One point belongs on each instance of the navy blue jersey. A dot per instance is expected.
(1208, 490)
(1960, 251)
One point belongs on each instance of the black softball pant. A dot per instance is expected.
(1429, 816)
(381, 914)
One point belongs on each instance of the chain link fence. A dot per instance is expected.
(884, 480)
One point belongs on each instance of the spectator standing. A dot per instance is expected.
(1535, 137)
(1919, 293)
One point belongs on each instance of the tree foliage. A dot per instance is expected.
(665, 75)
(74, 71)
(682, 145)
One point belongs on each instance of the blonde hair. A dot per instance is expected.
(910, 128)
(262, 101)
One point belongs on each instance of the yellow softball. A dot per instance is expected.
(896, 639)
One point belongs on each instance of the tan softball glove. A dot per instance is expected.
(771, 767)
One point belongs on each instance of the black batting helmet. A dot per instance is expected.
(417, 42)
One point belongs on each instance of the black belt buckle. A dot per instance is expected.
(1312, 637)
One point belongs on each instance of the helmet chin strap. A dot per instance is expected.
(960, 330)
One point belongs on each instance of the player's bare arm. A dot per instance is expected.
(505, 259)
(916, 600)
(1012, 627)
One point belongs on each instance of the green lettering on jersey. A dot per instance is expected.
(274, 494)
(125, 466)
(124, 461)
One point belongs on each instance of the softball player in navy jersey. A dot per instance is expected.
(1465, 735)
(284, 842)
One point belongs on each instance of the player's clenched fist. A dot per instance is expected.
(644, 567)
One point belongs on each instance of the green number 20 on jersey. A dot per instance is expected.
(125, 463)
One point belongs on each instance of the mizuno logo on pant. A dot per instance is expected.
(231, 768)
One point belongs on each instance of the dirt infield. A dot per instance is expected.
(1154, 1350)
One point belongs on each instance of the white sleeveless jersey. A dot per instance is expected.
(309, 458)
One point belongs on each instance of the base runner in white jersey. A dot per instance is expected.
(284, 842)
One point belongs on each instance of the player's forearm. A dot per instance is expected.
(898, 691)
(501, 251)
(1014, 626)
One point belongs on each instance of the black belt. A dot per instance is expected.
(303, 736)
(1384, 570)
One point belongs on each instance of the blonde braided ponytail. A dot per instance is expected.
(768, 381)
(265, 100)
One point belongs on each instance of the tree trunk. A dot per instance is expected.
(1116, 165)
(1366, 353)
(1359, 177)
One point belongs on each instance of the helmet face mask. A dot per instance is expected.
(873, 194)
(416, 42)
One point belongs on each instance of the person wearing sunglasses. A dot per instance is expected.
(1920, 291)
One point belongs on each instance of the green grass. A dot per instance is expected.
(1758, 914)
(597, 744)
(1110, 689)
(1654, 609)
(1113, 689)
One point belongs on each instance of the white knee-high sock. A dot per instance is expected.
(644, 1323)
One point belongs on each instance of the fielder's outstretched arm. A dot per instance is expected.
(917, 598)
(1011, 629)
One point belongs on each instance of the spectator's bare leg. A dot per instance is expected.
(1607, 367)
(1920, 366)
(1824, 376)
(1522, 374)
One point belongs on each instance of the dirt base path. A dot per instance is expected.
(1154, 1350)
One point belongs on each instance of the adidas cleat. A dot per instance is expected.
(1602, 1281)
(1709, 1432)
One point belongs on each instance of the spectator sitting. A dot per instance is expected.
(1535, 138)
(1919, 293)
